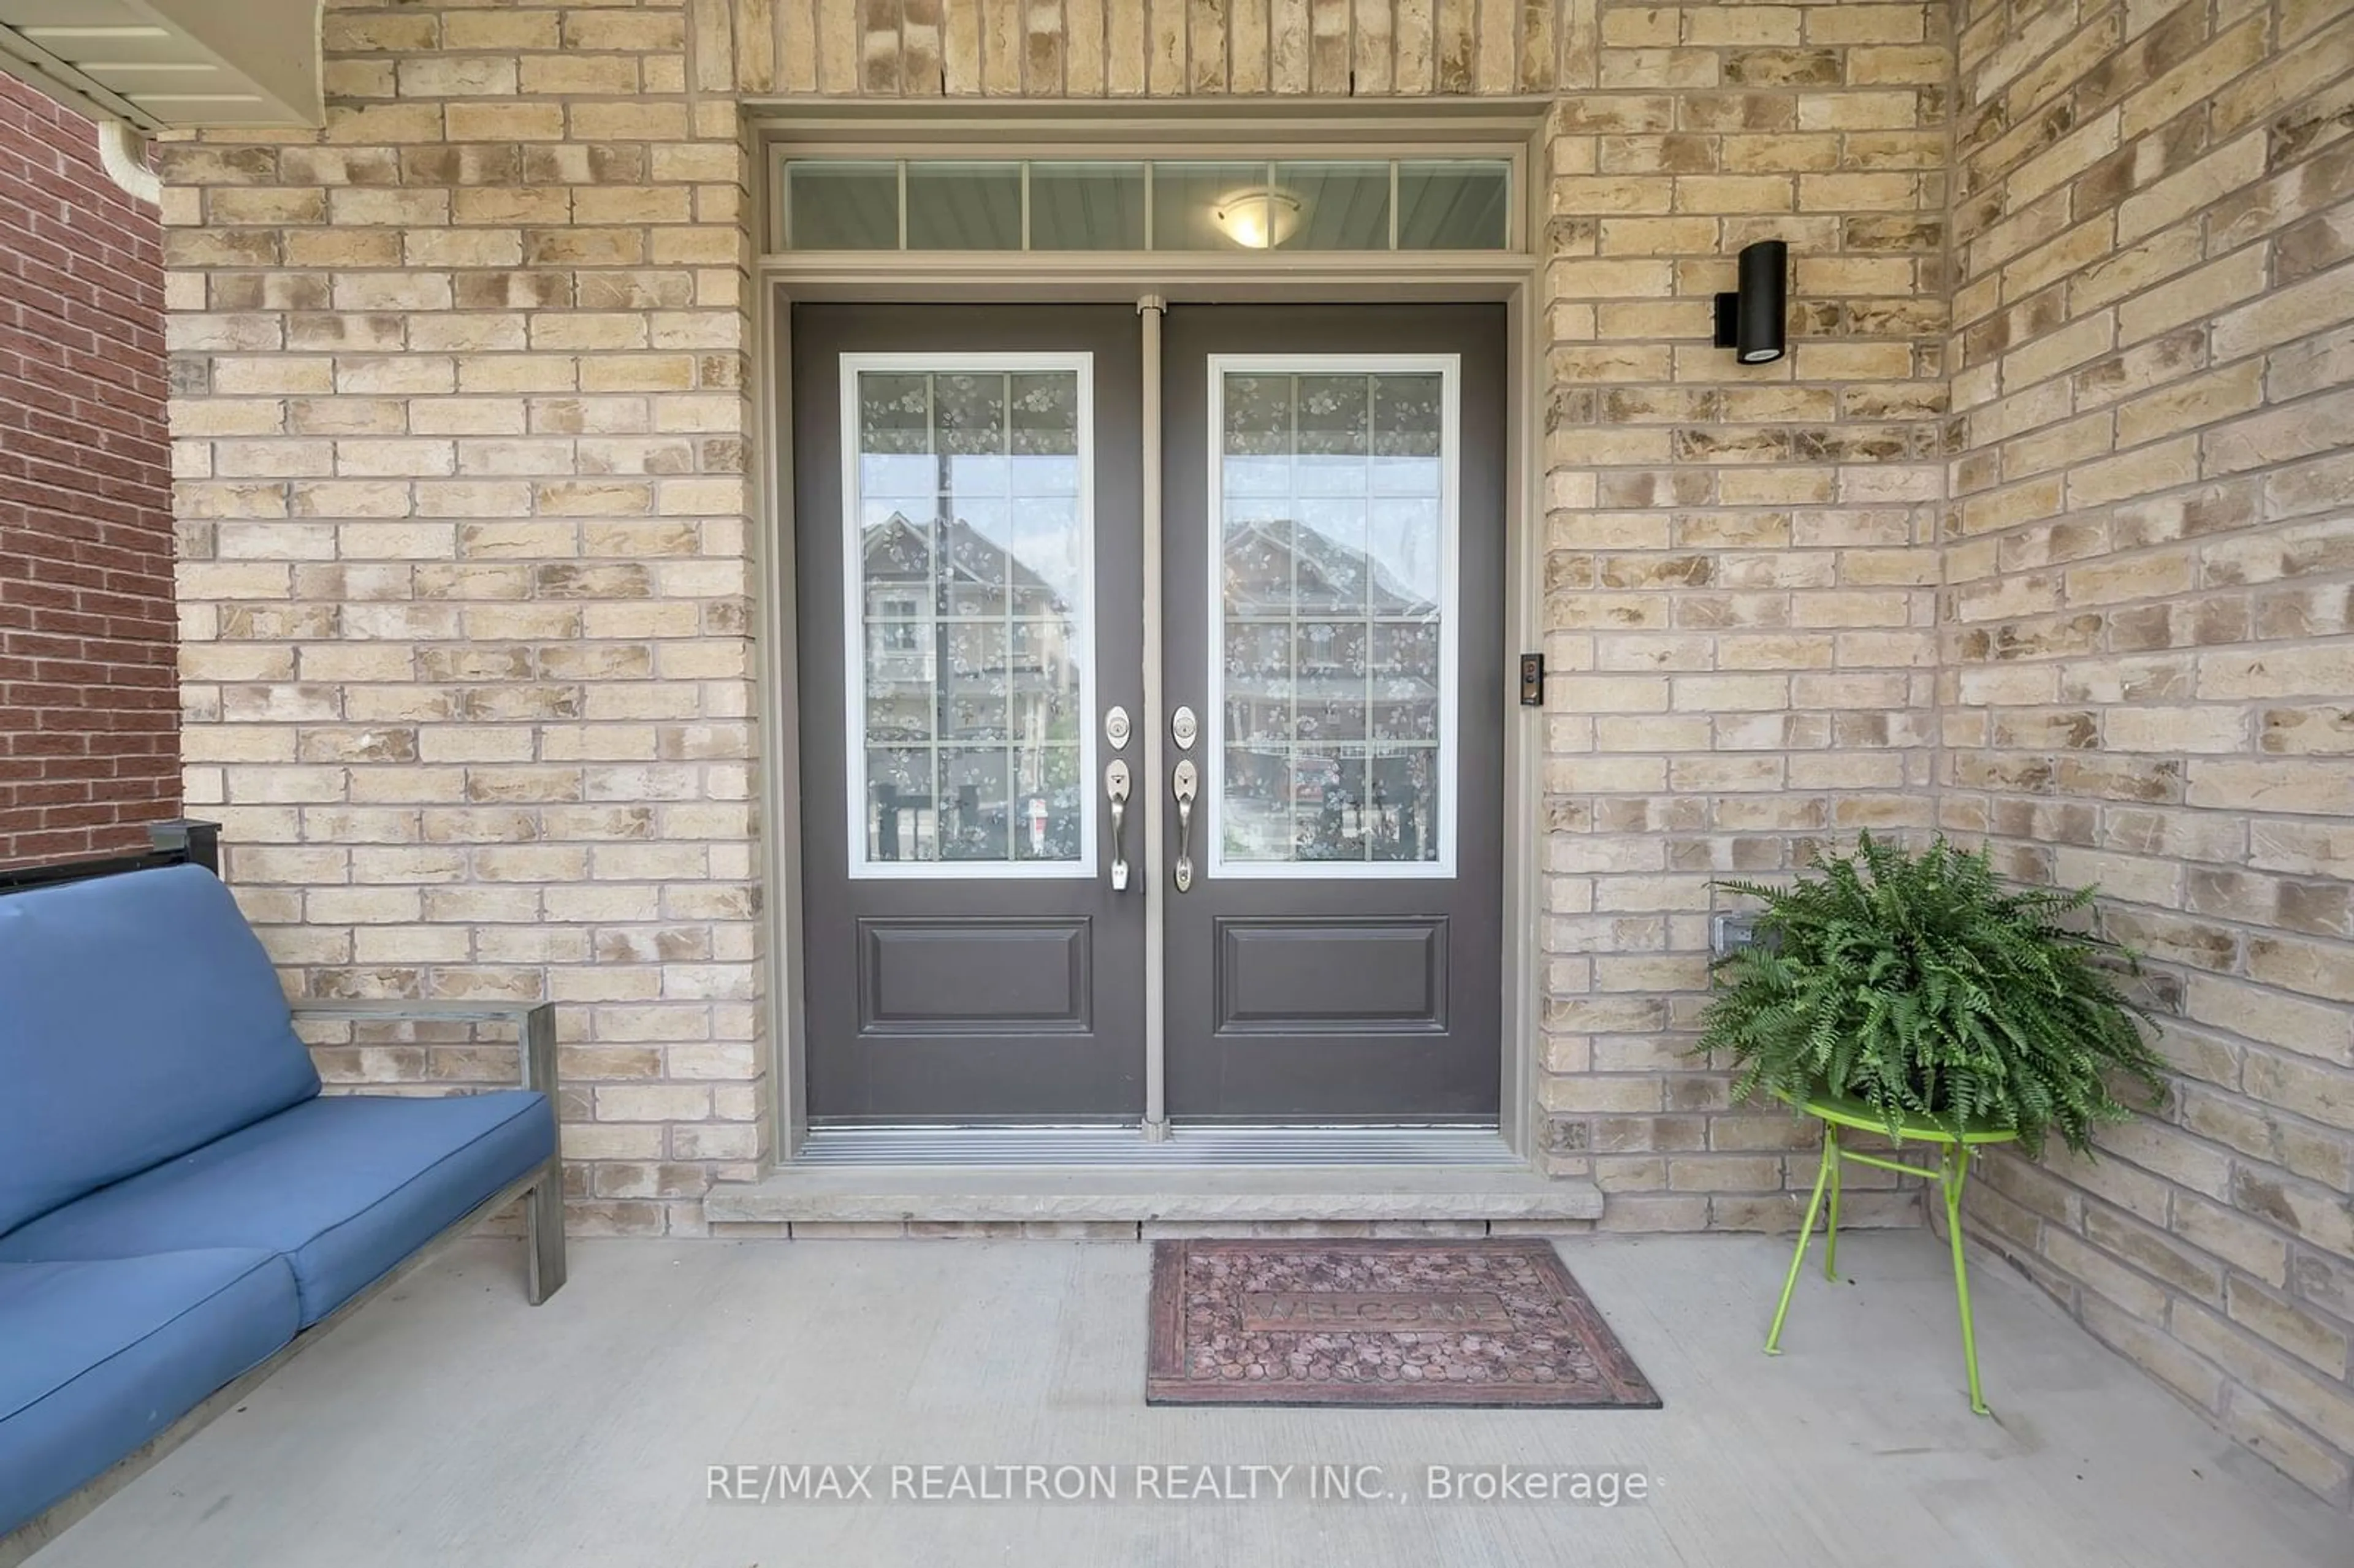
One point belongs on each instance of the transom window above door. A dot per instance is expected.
(1209, 203)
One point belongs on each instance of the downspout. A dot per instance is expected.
(122, 153)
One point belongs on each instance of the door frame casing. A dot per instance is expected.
(780, 280)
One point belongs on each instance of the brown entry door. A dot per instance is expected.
(967, 521)
(1334, 565)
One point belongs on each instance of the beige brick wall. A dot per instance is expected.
(462, 434)
(1741, 562)
(2147, 673)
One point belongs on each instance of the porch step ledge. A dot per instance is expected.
(1339, 1193)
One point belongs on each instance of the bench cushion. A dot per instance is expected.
(344, 1185)
(98, 1357)
(142, 1019)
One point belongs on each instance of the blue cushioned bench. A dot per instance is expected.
(180, 1207)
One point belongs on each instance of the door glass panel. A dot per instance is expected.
(1333, 593)
(969, 596)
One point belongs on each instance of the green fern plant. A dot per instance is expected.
(1919, 985)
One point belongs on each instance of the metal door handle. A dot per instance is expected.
(1185, 783)
(1116, 783)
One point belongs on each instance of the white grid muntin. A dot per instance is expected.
(1449, 370)
(854, 620)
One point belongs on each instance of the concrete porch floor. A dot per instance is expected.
(449, 1423)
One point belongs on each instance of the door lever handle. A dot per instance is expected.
(1185, 783)
(1116, 787)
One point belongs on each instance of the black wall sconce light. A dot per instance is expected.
(1750, 322)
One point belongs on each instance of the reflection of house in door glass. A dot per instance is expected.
(971, 699)
(973, 580)
(1332, 701)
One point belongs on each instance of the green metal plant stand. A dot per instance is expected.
(1951, 1169)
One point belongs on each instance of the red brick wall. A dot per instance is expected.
(89, 719)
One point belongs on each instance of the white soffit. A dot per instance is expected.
(165, 65)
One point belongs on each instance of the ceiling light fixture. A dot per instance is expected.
(1257, 219)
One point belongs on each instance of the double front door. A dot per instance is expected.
(983, 920)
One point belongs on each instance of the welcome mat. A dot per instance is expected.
(1381, 1323)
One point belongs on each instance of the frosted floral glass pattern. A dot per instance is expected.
(1332, 544)
(972, 579)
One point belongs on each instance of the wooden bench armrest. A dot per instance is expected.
(533, 1022)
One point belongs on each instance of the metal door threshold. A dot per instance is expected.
(1119, 1146)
